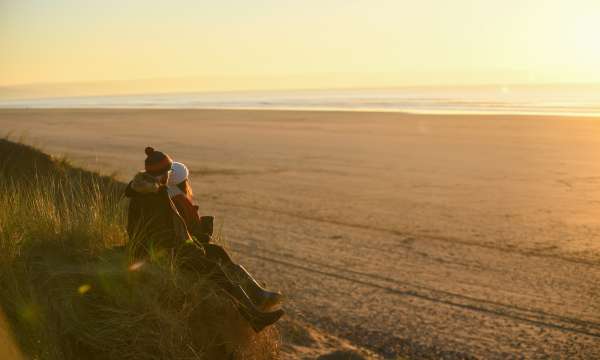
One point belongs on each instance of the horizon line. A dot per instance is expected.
(126, 93)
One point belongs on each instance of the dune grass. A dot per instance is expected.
(69, 289)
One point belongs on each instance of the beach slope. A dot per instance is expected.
(417, 235)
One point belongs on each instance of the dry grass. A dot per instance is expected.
(69, 290)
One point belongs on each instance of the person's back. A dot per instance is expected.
(153, 222)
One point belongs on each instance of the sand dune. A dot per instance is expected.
(416, 235)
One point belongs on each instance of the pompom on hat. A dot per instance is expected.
(157, 163)
(179, 173)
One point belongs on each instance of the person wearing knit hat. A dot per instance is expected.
(151, 216)
(157, 163)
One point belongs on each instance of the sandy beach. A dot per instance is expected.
(419, 235)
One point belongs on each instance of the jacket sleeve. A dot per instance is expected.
(133, 217)
(129, 192)
(187, 210)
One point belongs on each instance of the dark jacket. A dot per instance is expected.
(152, 220)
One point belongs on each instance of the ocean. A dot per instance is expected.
(579, 100)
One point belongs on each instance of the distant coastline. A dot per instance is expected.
(494, 100)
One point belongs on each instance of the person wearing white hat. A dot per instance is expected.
(179, 173)
(201, 227)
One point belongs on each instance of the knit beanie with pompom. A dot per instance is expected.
(157, 163)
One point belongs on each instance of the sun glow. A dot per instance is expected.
(309, 44)
(585, 33)
(563, 40)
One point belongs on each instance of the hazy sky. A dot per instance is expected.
(306, 43)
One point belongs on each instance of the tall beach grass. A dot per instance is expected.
(69, 290)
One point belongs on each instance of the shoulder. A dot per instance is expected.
(184, 203)
(181, 200)
(142, 183)
(177, 195)
(174, 191)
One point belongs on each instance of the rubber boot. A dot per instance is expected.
(264, 299)
(260, 320)
(257, 319)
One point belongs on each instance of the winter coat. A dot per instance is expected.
(153, 222)
(189, 213)
(185, 206)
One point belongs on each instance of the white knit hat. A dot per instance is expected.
(179, 172)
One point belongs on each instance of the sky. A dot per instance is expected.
(267, 44)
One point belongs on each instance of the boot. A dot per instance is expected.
(264, 299)
(257, 319)
(264, 319)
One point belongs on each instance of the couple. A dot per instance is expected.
(163, 221)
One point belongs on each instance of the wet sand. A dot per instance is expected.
(422, 235)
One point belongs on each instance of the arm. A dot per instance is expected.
(200, 227)
(187, 210)
(129, 192)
